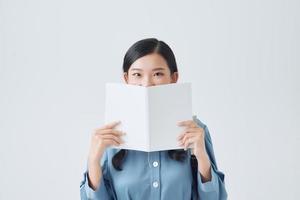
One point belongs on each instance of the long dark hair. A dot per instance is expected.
(137, 50)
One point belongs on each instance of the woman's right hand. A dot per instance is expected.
(102, 138)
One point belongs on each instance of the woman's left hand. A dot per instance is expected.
(195, 136)
(192, 135)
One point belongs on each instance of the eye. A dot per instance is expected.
(136, 74)
(159, 74)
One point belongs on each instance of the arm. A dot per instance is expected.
(94, 174)
(101, 188)
(204, 166)
(211, 184)
(97, 183)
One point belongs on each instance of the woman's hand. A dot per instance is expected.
(192, 135)
(195, 136)
(102, 138)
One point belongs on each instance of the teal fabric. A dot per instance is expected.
(155, 175)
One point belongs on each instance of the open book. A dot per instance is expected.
(149, 115)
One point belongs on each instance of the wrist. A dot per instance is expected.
(201, 154)
(204, 165)
(94, 159)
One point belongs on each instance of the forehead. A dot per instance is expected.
(149, 62)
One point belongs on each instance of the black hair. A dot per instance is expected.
(137, 50)
(148, 46)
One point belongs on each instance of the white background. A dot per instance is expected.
(242, 57)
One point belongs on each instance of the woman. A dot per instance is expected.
(169, 175)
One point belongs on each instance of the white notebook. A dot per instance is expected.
(149, 115)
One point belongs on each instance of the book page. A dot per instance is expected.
(128, 103)
(168, 104)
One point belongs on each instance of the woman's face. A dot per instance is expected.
(150, 70)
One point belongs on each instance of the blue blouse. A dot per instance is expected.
(154, 175)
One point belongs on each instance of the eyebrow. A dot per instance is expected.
(156, 69)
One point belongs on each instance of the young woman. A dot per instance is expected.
(168, 175)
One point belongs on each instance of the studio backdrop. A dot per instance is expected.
(242, 58)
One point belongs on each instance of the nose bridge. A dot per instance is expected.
(147, 81)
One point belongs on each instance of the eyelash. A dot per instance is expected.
(160, 74)
(135, 73)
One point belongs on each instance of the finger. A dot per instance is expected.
(187, 132)
(192, 129)
(189, 123)
(183, 139)
(183, 122)
(181, 134)
(111, 142)
(112, 137)
(111, 131)
(187, 136)
(188, 142)
(111, 125)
